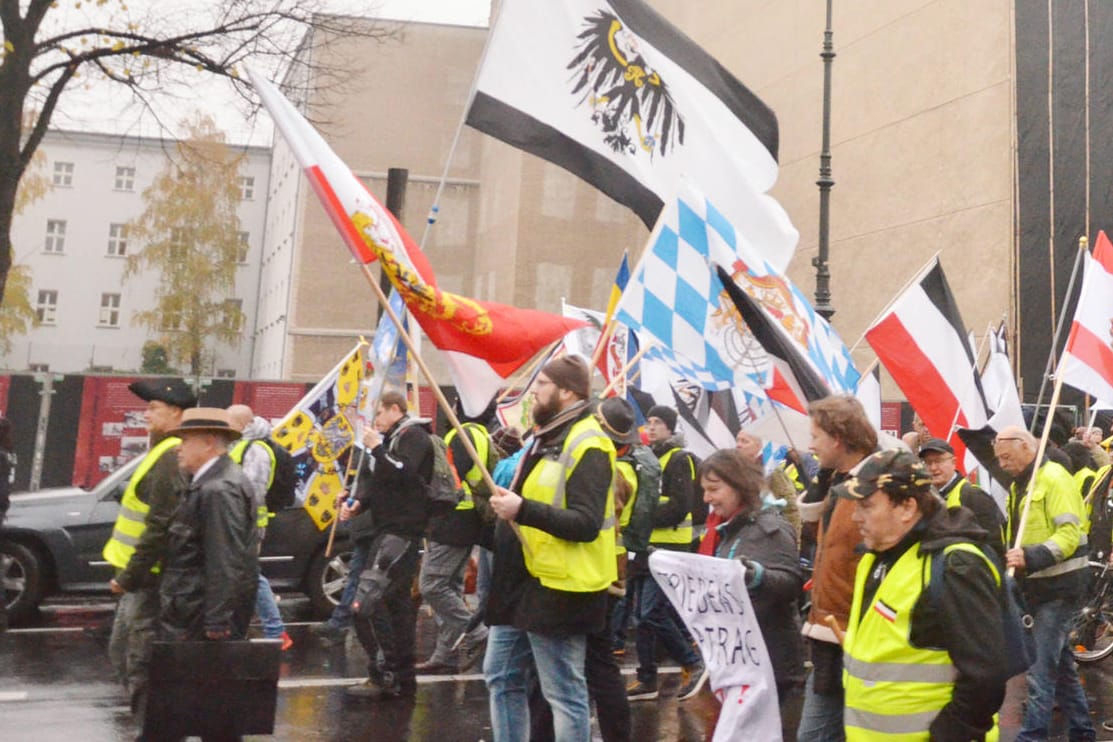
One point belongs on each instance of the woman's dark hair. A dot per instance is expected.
(742, 474)
(6, 434)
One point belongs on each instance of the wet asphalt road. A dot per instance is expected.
(56, 685)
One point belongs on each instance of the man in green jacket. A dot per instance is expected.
(139, 538)
(1051, 562)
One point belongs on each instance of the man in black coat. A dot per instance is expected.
(211, 568)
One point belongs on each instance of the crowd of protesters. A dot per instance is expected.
(906, 634)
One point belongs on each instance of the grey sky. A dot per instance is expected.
(105, 107)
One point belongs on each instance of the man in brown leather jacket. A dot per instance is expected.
(842, 437)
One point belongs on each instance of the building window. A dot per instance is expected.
(247, 187)
(243, 247)
(226, 373)
(40, 368)
(109, 310)
(63, 174)
(100, 369)
(233, 314)
(117, 240)
(55, 236)
(46, 308)
(125, 178)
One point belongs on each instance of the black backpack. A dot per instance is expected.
(1020, 643)
(281, 493)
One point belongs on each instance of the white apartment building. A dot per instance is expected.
(75, 242)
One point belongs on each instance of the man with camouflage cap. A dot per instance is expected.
(913, 668)
(138, 542)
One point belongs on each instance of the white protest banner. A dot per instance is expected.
(710, 595)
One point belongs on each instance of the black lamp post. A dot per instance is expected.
(825, 183)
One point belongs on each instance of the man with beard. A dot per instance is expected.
(672, 530)
(549, 580)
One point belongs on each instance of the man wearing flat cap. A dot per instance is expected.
(939, 459)
(211, 569)
(138, 542)
(914, 667)
(549, 590)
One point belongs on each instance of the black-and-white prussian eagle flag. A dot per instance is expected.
(614, 93)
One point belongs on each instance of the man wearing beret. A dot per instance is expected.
(138, 542)
(913, 668)
(549, 589)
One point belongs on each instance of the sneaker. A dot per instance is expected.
(639, 691)
(472, 655)
(691, 681)
(287, 642)
(329, 633)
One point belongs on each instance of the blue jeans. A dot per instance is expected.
(1054, 676)
(341, 616)
(821, 717)
(655, 619)
(559, 663)
(267, 608)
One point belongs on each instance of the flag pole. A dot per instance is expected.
(625, 370)
(525, 371)
(915, 277)
(1039, 458)
(446, 408)
(435, 208)
(1083, 244)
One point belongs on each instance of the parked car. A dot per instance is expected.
(52, 539)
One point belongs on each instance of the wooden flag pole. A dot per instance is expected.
(525, 371)
(604, 338)
(446, 408)
(625, 370)
(1039, 457)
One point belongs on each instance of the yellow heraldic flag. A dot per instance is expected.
(320, 432)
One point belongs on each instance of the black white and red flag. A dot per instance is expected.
(921, 341)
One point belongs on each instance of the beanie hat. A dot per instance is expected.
(667, 415)
(569, 372)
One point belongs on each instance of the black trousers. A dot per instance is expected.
(389, 622)
(605, 687)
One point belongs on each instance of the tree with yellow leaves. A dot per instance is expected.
(190, 237)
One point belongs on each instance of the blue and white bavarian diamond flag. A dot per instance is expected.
(676, 300)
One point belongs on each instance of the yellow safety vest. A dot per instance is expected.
(236, 453)
(571, 566)
(894, 690)
(1054, 519)
(681, 533)
(472, 477)
(132, 518)
(626, 470)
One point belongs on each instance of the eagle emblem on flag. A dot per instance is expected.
(629, 101)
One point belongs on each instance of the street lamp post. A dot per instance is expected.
(825, 183)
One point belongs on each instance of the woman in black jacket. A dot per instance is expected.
(765, 543)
